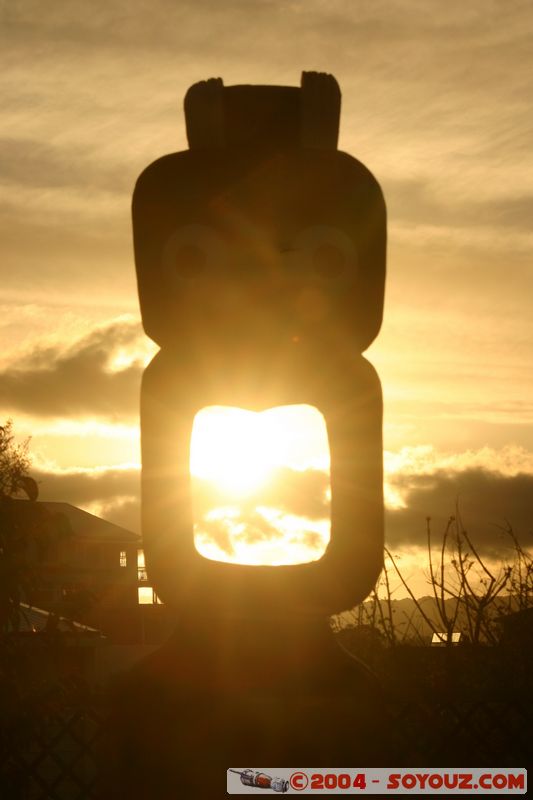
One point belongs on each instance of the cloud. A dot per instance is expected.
(286, 516)
(249, 527)
(421, 203)
(297, 492)
(123, 511)
(441, 112)
(112, 493)
(105, 485)
(293, 508)
(92, 94)
(40, 164)
(294, 504)
(486, 501)
(78, 379)
(427, 460)
(260, 535)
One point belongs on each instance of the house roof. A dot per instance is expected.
(33, 620)
(88, 526)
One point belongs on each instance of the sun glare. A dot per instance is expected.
(232, 448)
(254, 477)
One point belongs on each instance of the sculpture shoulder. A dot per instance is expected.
(152, 175)
(353, 167)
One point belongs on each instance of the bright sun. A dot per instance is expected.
(241, 454)
(238, 450)
(232, 449)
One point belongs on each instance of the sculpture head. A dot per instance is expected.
(263, 235)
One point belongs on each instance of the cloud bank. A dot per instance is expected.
(79, 379)
(487, 500)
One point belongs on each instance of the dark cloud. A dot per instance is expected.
(255, 529)
(219, 533)
(486, 502)
(108, 487)
(125, 512)
(290, 492)
(251, 527)
(116, 495)
(301, 493)
(113, 494)
(76, 380)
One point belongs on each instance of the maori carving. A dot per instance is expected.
(260, 257)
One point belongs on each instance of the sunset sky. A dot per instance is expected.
(436, 102)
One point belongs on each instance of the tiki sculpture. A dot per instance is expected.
(260, 256)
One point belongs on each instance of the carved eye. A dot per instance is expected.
(329, 261)
(327, 253)
(193, 251)
(190, 261)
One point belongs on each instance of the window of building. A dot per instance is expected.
(142, 575)
(123, 558)
(147, 596)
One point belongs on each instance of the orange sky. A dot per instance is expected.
(436, 102)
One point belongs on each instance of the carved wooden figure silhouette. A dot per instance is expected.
(260, 256)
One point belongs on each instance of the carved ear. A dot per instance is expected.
(320, 110)
(204, 114)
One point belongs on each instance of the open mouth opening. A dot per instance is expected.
(261, 485)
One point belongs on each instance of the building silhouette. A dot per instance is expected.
(91, 574)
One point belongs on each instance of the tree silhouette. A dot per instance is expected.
(27, 530)
(15, 465)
